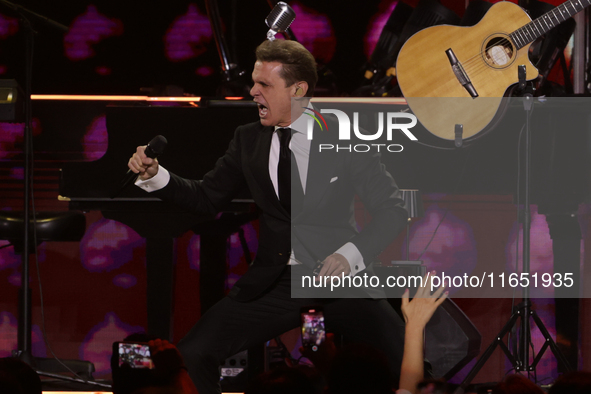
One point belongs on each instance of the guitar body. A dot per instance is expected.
(488, 57)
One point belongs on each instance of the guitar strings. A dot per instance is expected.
(503, 42)
(478, 57)
(475, 65)
(540, 29)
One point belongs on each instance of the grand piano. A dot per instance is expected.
(197, 137)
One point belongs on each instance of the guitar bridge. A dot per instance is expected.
(460, 73)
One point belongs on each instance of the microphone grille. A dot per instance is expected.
(158, 144)
(280, 17)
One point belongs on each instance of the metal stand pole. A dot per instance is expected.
(521, 360)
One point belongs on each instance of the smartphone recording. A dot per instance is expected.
(134, 355)
(313, 330)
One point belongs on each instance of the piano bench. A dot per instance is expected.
(49, 226)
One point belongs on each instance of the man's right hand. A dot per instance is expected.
(142, 164)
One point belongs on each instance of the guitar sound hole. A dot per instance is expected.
(498, 52)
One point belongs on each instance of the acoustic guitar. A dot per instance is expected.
(454, 78)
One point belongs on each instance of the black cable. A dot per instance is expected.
(43, 329)
(459, 181)
(233, 37)
(434, 233)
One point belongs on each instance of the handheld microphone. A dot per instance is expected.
(153, 150)
(279, 20)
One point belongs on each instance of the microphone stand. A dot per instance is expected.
(233, 83)
(520, 360)
(24, 322)
(24, 348)
(233, 77)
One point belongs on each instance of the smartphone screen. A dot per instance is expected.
(135, 355)
(313, 332)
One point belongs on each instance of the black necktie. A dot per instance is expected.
(284, 168)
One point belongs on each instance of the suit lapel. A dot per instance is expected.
(260, 167)
(321, 168)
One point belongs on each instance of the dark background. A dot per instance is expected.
(95, 290)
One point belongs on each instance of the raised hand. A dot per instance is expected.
(142, 164)
(418, 311)
(416, 314)
(166, 357)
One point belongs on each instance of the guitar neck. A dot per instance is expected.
(528, 33)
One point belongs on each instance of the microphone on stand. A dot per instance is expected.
(153, 150)
(279, 19)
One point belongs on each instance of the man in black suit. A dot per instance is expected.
(302, 221)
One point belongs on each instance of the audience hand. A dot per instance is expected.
(322, 358)
(167, 359)
(418, 311)
(417, 314)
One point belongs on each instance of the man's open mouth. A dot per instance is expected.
(262, 110)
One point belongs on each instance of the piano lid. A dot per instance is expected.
(196, 136)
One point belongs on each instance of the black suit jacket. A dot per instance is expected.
(326, 221)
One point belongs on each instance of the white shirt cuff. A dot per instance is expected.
(351, 253)
(403, 391)
(157, 182)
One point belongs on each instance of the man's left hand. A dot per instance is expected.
(335, 265)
